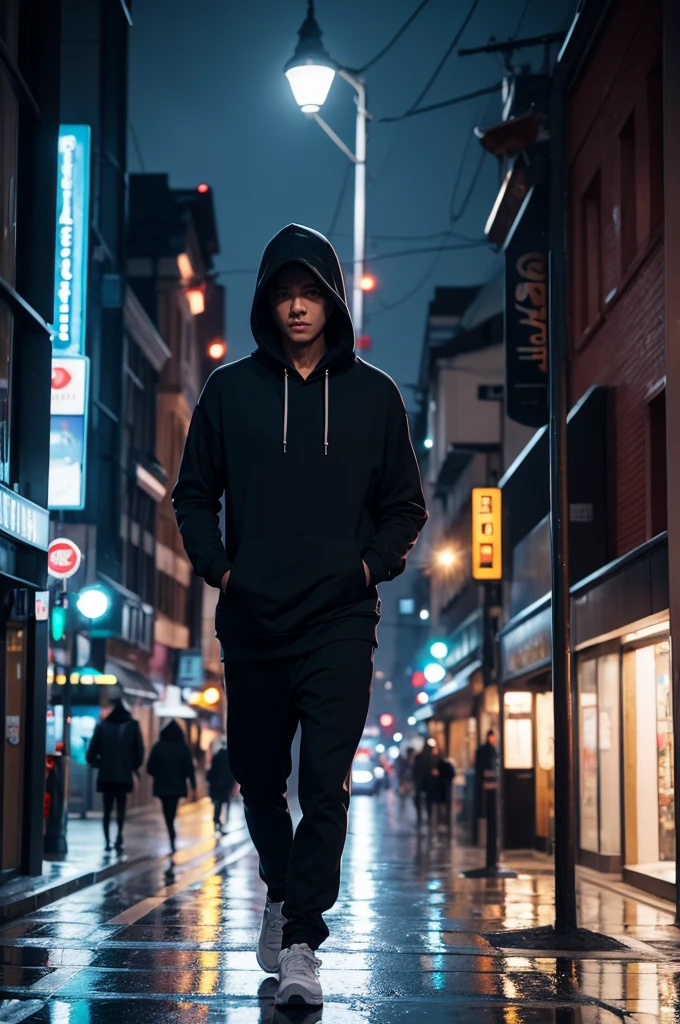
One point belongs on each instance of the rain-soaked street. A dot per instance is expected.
(407, 941)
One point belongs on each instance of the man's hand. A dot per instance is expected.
(224, 581)
(367, 573)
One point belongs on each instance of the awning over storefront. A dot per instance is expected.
(525, 642)
(457, 683)
(131, 682)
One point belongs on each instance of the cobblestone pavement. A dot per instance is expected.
(407, 943)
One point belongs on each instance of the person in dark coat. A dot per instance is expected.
(423, 766)
(170, 765)
(221, 781)
(117, 751)
(441, 788)
(486, 760)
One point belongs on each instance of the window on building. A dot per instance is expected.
(592, 253)
(628, 194)
(656, 465)
(655, 122)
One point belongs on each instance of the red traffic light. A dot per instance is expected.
(364, 343)
(387, 721)
(367, 283)
(203, 188)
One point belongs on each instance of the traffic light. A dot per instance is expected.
(439, 649)
(58, 616)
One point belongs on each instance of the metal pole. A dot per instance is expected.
(671, 106)
(359, 202)
(565, 861)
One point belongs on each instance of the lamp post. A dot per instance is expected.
(310, 72)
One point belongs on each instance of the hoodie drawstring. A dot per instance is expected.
(325, 415)
(325, 412)
(285, 410)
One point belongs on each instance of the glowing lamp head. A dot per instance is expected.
(203, 188)
(422, 698)
(428, 443)
(424, 614)
(367, 283)
(211, 695)
(434, 673)
(310, 70)
(217, 349)
(93, 603)
(446, 558)
(439, 649)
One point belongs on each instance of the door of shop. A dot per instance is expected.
(12, 703)
(518, 762)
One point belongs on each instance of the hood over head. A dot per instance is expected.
(172, 733)
(118, 713)
(299, 244)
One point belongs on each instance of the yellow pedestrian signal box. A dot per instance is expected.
(487, 528)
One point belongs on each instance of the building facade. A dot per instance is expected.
(29, 91)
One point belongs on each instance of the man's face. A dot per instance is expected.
(299, 304)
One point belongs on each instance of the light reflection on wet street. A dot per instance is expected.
(407, 944)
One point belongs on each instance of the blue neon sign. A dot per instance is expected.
(71, 254)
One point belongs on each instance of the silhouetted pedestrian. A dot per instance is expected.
(170, 765)
(485, 761)
(423, 766)
(221, 781)
(116, 750)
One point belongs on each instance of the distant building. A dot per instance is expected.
(171, 244)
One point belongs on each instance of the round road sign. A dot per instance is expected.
(63, 558)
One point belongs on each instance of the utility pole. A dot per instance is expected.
(558, 381)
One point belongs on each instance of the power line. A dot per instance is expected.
(438, 106)
(340, 200)
(409, 21)
(435, 74)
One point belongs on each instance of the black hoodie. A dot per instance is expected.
(317, 474)
(170, 763)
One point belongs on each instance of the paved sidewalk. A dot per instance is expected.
(86, 862)
(408, 944)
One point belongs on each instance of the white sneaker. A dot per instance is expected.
(299, 977)
(269, 943)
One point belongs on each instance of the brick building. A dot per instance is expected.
(616, 473)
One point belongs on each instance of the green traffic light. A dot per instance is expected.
(58, 623)
(439, 649)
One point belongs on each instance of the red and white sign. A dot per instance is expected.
(69, 375)
(63, 558)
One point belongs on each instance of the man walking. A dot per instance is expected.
(310, 448)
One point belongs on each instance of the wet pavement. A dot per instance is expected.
(407, 943)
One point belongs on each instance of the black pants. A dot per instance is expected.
(111, 795)
(218, 805)
(327, 692)
(169, 804)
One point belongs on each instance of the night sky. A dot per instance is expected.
(209, 102)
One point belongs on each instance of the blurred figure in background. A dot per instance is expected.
(221, 781)
(404, 767)
(116, 750)
(171, 765)
(423, 766)
(485, 761)
(442, 789)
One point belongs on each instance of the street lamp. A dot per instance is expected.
(310, 72)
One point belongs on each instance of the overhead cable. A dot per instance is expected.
(395, 38)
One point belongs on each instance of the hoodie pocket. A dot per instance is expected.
(284, 585)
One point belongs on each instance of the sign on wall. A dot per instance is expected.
(71, 253)
(487, 561)
(526, 314)
(68, 432)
